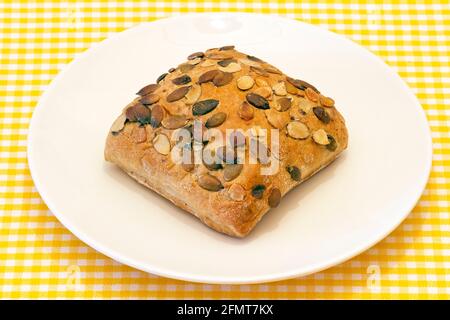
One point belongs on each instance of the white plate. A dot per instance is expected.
(337, 214)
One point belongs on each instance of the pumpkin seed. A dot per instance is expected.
(294, 172)
(208, 63)
(193, 95)
(290, 88)
(321, 137)
(157, 116)
(207, 76)
(194, 61)
(216, 120)
(232, 67)
(232, 171)
(297, 130)
(274, 198)
(139, 113)
(222, 78)
(273, 70)
(258, 191)
(246, 112)
(261, 82)
(321, 114)
(265, 92)
(283, 104)
(195, 55)
(177, 94)
(279, 89)
(296, 113)
(257, 101)
(305, 106)
(174, 122)
(332, 146)
(226, 48)
(277, 119)
(185, 67)
(236, 192)
(300, 93)
(249, 62)
(209, 182)
(184, 79)
(245, 82)
(147, 89)
(312, 95)
(149, 99)
(296, 83)
(213, 166)
(118, 124)
(139, 134)
(326, 101)
(300, 84)
(161, 77)
(205, 106)
(161, 144)
(259, 71)
(188, 167)
(226, 62)
(218, 56)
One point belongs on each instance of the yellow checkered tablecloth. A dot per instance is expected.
(39, 258)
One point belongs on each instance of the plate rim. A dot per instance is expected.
(271, 277)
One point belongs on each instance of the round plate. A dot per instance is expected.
(340, 212)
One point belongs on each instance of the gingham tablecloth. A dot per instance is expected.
(39, 258)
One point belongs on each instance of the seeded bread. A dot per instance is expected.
(226, 89)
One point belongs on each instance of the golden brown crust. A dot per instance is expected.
(135, 149)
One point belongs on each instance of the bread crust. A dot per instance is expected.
(132, 148)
